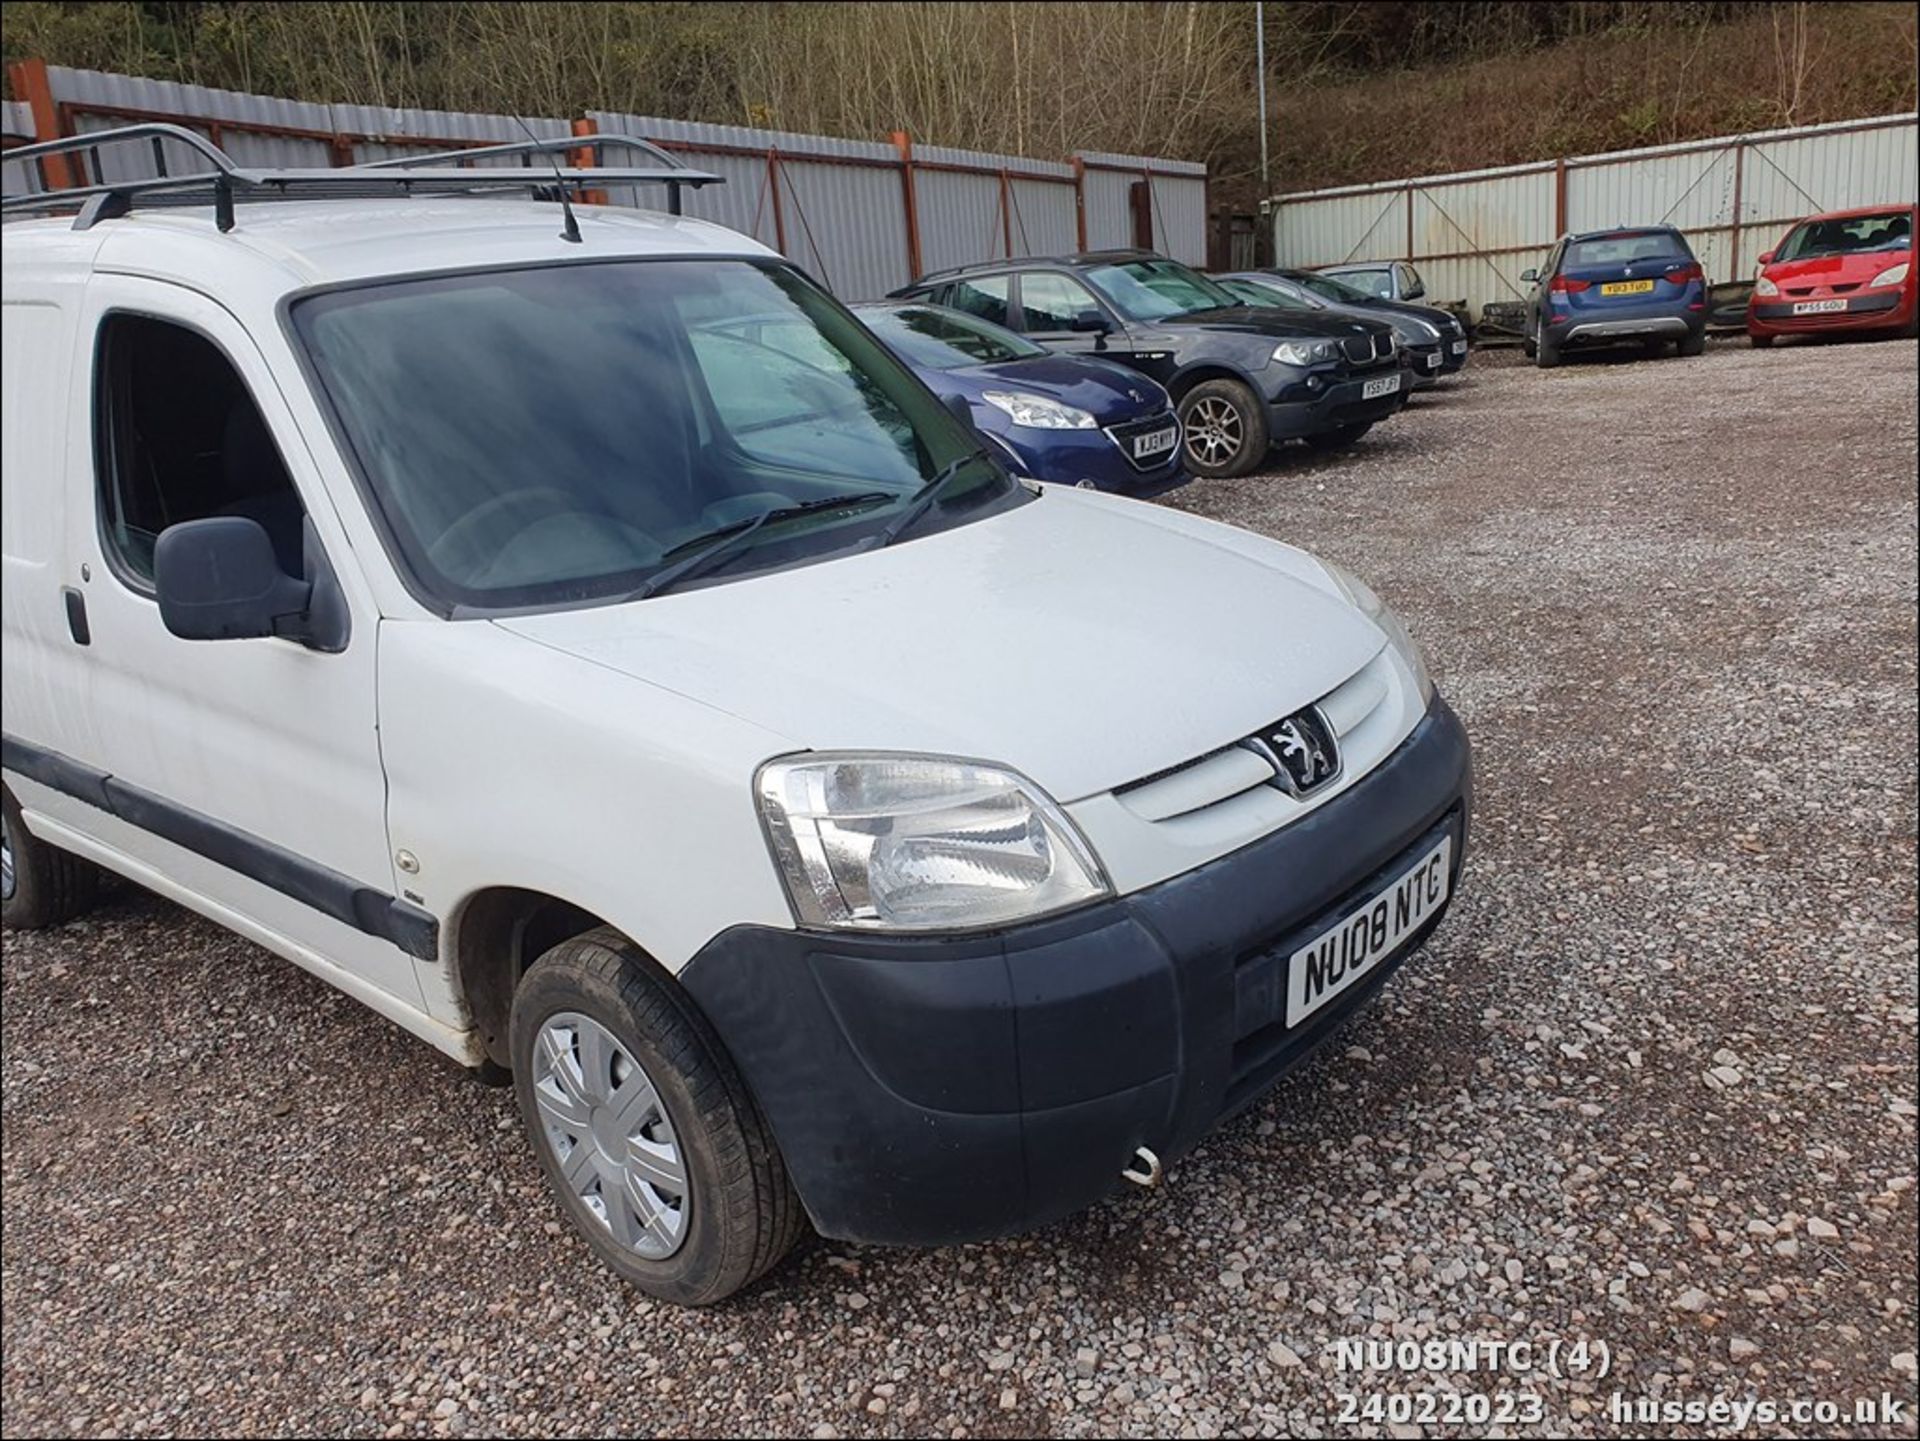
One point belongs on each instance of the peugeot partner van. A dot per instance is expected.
(817, 824)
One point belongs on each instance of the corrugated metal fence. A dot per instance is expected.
(864, 216)
(1471, 234)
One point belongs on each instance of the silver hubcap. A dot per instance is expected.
(602, 1119)
(1214, 432)
(6, 858)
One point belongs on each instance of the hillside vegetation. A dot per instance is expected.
(1358, 91)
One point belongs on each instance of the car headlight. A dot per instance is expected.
(1420, 330)
(1305, 352)
(1038, 412)
(1892, 275)
(920, 843)
(1764, 286)
(1377, 611)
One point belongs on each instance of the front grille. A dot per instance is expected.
(1124, 435)
(1362, 349)
(1225, 776)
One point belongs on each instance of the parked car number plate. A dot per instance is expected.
(1628, 287)
(1818, 307)
(1385, 385)
(1344, 952)
(1460, 347)
(1154, 443)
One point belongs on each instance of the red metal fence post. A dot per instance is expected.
(583, 159)
(1080, 201)
(903, 143)
(30, 83)
(779, 216)
(1559, 197)
(1409, 204)
(1006, 216)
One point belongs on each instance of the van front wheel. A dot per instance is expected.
(654, 1147)
(40, 885)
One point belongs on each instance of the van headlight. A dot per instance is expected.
(920, 843)
(1378, 611)
(1764, 286)
(1892, 275)
(1037, 412)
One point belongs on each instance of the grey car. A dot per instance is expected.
(1382, 279)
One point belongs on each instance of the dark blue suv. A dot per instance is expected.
(1610, 287)
(1071, 419)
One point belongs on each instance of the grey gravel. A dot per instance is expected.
(1675, 602)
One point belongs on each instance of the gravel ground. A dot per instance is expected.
(1653, 1085)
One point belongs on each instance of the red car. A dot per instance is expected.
(1851, 271)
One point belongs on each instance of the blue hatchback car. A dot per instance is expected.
(1070, 419)
(1612, 287)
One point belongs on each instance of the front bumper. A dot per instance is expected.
(1096, 458)
(1294, 412)
(1874, 310)
(945, 1089)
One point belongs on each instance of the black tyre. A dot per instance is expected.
(1546, 350)
(41, 884)
(1694, 343)
(1761, 342)
(1654, 349)
(1340, 437)
(1225, 427)
(654, 1146)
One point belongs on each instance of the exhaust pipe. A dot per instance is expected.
(1145, 1171)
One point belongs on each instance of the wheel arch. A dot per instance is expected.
(494, 937)
(1201, 371)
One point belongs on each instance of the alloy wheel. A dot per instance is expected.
(1214, 432)
(7, 879)
(612, 1142)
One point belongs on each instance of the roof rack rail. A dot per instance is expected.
(222, 182)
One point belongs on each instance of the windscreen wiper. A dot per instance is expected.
(924, 498)
(718, 545)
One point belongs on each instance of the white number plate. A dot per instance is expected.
(1817, 307)
(1385, 385)
(1159, 440)
(1459, 347)
(1346, 951)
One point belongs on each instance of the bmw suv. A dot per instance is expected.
(1242, 376)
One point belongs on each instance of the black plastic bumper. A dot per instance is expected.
(941, 1090)
(1290, 416)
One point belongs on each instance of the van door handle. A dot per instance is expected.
(77, 616)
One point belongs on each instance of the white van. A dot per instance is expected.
(602, 658)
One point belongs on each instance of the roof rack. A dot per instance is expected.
(222, 182)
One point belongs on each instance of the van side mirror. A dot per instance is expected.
(1530, 276)
(1415, 293)
(1090, 322)
(217, 579)
(959, 408)
(1766, 257)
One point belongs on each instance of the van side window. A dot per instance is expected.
(179, 438)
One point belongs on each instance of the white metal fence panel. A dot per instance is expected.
(16, 127)
(1470, 234)
(839, 207)
(1177, 203)
(959, 218)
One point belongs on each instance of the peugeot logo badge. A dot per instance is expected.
(1302, 749)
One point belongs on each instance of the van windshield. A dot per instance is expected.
(565, 434)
